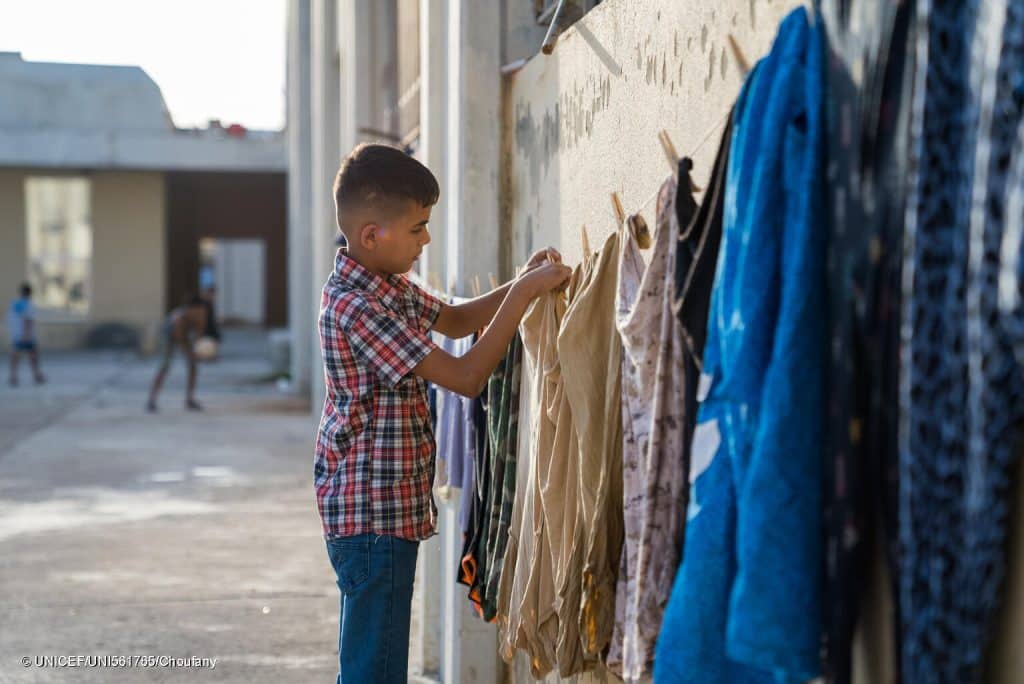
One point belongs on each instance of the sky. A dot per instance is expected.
(212, 59)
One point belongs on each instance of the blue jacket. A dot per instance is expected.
(747, 599)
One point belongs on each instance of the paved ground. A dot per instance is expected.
(176, 534)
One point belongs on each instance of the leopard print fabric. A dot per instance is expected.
(960, 383)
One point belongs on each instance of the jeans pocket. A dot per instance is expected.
(350, 557)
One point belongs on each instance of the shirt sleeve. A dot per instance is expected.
(428, 306)
(383, 342)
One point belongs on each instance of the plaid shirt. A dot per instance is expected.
(375, 448)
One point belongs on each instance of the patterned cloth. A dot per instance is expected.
(653, 407)
(374, 464)
(503, 433)
(961, 383)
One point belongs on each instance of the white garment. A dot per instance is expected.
(653, 404)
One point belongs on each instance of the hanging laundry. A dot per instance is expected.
(867, 138)
(560, 497)
(590, 354)
(456, 435)
(748, 595)
(653, 407)
(961, 389)
(698, 252)
(472, 569)
(526, 589)
(503, 432)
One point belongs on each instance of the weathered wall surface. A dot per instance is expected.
(583, 122)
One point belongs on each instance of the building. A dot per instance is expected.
(527, 147)
(113, 214)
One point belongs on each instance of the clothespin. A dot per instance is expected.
(638, 225)
(673, 158)
(494, 281)
(476, 285)
(741, 60)
(620, 213)
(670, 150)
(434, 281)
(584, 241)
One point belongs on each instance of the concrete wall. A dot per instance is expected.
(583, 122)
(12, 240)
(128, 216)
(128, 254)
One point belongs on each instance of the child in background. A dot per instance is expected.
(22, 331)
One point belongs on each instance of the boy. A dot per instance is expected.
(375, 446)
(21, 318)
(184, 325)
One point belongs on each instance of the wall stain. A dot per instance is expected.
(566, 123)
(711, 70)
(563, 127)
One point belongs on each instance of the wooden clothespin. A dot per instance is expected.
(494, 281)
(620, 213)
(741, 60)
(638, 225)
(673, 158)
(584, 241)
(476, 285)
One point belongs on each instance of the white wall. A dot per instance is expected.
(583, 122)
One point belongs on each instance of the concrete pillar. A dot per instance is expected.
(302, 303)
(433, 126)
(355, 25)
(325, 156)
(474, 140)
(472, 149)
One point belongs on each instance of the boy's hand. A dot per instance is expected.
(543, 278)
(541, 256)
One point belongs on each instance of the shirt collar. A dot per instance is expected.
(355, 276)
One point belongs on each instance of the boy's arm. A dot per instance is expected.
(459, 320)
(467, 374)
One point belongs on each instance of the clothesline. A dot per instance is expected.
(707, 136)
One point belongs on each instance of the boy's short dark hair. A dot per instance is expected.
(25, 289)
(376, 175)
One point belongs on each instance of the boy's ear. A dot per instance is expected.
(368, 236)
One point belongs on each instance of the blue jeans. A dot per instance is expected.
(375, 575)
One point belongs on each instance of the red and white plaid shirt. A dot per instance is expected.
(375, 448)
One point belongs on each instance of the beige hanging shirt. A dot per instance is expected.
(652, 442)
(590, 354)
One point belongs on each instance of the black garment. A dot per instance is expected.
(867, 153)
(472, 570)
(700, 233)
(697, 256)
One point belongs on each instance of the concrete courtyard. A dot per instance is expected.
(176, 534)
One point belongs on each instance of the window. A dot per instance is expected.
(59, 242)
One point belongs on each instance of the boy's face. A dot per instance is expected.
(395, 242)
